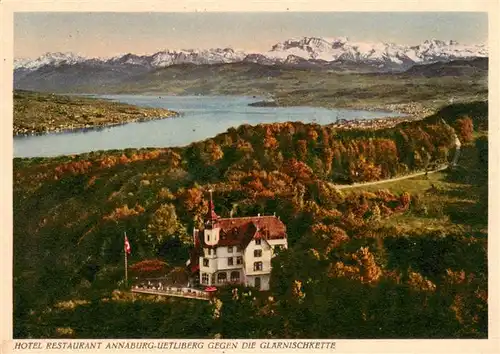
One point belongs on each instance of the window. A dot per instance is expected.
(221, 277)
(230, 249)
(230, 261)
(209, 251)
(208, 237)
(204, 278)
(238, 248)
(257, 253)
(257, 266)
(205, 262)
(239, 260)
(235, 276)
(257, 242)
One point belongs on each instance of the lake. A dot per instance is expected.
(201, 117)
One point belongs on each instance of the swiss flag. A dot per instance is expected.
(127, 245)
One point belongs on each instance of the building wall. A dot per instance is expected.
(250, 259)
(264, 281)
(212, 265)
(218, 262)
(210, 269)
(222, 258)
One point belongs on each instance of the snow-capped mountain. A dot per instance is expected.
(156, 60)
(55, 59)
(208, 56)
(299, 51)
(334, 49)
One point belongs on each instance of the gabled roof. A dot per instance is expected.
(240, 231)
(235, 232)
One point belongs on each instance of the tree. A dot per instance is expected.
(270, 141)
(369, 270)
(363, 170)
(301, 150)
(365, 268)
(192, 199)
(163, 224)
(465, 129)
(298, 170)
(327, 160)
(330, 237)
(328, 195)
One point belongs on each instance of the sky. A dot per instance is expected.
(109, 34)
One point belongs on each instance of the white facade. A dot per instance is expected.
(232, 264)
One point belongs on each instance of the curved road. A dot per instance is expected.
(416, 174)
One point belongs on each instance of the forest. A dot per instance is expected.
(404, 259)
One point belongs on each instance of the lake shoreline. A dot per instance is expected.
(96, 127)
(203, 118)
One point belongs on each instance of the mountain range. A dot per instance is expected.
(289, 51)
(337, 54)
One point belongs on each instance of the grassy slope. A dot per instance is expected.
(38, 112)
(451, 198)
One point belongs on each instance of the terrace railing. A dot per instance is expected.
(172, 291)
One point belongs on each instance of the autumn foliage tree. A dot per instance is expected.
(360, 266)
(329, 236)
(465, 129)
(148, 268)
(124, 212)
(298, 170)
(364, 170)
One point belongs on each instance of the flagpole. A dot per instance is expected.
(126, 265)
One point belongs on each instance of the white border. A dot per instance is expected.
(7, 7)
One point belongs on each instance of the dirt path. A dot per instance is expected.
(416, 174)
(355, 185)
